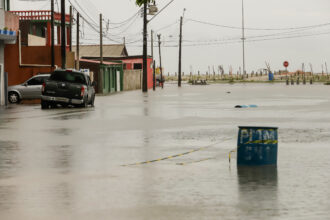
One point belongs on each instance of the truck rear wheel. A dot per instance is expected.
(44, 105)
(84, 104)
(92, 101)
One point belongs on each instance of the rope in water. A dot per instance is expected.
(175, 156)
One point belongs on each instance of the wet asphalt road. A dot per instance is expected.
(67, 163)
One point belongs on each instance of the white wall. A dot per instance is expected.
(2, 46)
(36, 41)
(2, 86)
(2, 18)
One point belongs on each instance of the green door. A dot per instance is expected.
(106, 80)
(110, 79)
(113, 80)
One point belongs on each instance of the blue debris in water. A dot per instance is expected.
(246, 106)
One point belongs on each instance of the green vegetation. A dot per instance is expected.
(218, 79)
(141, 2)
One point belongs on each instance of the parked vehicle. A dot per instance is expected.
(31, 89)
(160, 81)
(68, 87)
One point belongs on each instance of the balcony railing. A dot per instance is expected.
(42, 15)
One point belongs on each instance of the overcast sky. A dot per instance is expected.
(207, 45)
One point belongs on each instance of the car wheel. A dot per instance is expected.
(84, 104)
(64, 105)
(92, 101)
(13, 98)
(53, 105)
(44, 105)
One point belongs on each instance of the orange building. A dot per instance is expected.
(31, 54)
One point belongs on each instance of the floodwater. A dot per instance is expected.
(67, 163)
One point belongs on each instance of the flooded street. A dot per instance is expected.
(69, 163)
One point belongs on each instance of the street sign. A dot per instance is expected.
(286, 64)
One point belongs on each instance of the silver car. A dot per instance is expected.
(31, 89)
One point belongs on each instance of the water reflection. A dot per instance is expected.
(258, 191)
(63, 193)
(145, 105)
(61, 131)
(7, 194)
(75, 114)
(63, 158)
(8, 158)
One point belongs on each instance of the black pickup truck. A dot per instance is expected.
(67, 87)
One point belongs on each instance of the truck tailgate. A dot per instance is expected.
(63, 89)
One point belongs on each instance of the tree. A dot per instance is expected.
(141, 2)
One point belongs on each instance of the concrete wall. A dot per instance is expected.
(132, 80)
(95, 68)
(2, 18)
(34, 56)
(2, 24)
(2, 87)
(11, 21)
(36, 41)
(70, 60)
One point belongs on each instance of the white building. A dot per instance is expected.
(2, 48)
(6, 36)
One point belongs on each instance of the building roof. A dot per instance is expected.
(128, 59)
(109, 50)
(98, 62)
(40, 15)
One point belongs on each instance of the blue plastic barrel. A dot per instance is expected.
(271, 76)
(257, 146)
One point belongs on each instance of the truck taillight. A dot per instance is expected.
(43, 87)
(82, 93)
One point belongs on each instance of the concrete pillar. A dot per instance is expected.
(58, 28)
(2, 84)
(2, 46)
(48, 37)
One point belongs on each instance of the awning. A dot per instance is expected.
(8, 36)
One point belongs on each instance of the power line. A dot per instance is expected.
(258, 29)
(82, 10)
(127, 20)
(287, 33)
(239, 41)
(167, 26)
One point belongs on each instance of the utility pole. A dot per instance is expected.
(322, 70)
(70, 28)
(63, 35)
(303, 68)
(7, 8)
(153, 63)
(101, 78)
(311, 66)
(52, 47)
(243, 38)
(154, 75)
(101, 40)
(77, 46)
(180, 53)
(152, 44)
(160, 61)
(145, 49)
(326, 68)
